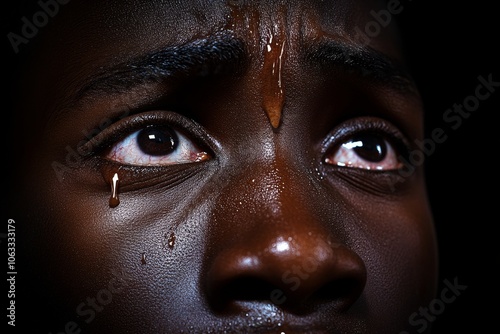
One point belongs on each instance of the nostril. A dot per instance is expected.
(242, 289)
(334, 276)
(342, 291)
(249, 288)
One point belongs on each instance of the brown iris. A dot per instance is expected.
(370, 147)
(157, 140)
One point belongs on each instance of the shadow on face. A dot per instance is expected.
(228, 167)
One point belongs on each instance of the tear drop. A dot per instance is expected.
(143, 258)
(171, 240)
(114, 200)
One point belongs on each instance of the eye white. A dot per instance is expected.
(346, 156)
(128, 152)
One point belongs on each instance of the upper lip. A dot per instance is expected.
(273, 327)
(246, 330)
(268, 319)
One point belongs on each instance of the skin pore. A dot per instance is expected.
(221, 167)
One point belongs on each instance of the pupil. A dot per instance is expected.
(371, 147)
(157, 140)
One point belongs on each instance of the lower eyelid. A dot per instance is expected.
(138, 177)
(383, 183)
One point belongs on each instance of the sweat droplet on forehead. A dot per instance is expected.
(247, 20)
(272, 84)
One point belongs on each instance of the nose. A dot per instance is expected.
(279, 247)
(296, 274)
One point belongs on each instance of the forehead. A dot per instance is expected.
(152, 24)
(85, 37)
(185, 15)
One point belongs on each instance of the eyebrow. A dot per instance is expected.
(365, 61)
(223, 50)
(199, 57)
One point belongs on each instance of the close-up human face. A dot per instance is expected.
(223, 167)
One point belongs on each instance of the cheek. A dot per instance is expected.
(401, 261)
(123, 257)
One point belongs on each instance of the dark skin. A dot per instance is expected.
(255, 213)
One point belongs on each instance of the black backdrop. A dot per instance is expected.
(449, 45)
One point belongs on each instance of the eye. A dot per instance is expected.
(156, 145)
(366, 150)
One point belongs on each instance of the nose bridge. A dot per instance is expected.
(296, 197)
(276, 204)
(289, 214)
(280, 191)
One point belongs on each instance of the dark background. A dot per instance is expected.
(448, 45)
